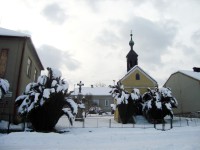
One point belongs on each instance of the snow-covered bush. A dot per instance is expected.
(4, 87)
(154, 104)
(45, 101)
(157, 104)
(127, 104)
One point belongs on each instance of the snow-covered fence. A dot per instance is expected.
(100, 122)
(182, 121)
(141, 122)
(166, 124)
(109, 122)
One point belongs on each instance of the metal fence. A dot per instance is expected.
(141, 122)
(106, 122)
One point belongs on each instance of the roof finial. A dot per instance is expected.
(131, 43)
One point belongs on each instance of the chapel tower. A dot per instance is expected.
(132, 56)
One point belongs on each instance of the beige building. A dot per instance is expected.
(19, 64)
(138, 78)
(185, 86)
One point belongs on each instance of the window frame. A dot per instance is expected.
(28, 67)
(106, 102)
(35, 75)
(137, 76)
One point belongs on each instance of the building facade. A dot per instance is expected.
(136, 77)
(185, 86)
(19, 64)
(95, 97)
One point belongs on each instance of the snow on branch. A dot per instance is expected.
(47, 88)
(4, 87)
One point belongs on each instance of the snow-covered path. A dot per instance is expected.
(184, 138)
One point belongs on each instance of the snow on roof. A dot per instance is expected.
(7, 32)
(103, 91)
(195, 75)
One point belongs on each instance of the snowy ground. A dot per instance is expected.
(184, 138)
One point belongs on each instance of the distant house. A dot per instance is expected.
(185, 86)
(19, 64)
(95, 97)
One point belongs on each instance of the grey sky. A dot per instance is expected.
(54, 13)
(88, 39)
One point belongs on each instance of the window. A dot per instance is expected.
(3, 61)
(137, 76)
(35, 75)
(28, 69)
(95, 102)
(106, 102)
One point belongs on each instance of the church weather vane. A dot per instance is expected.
(131, 43)
(80, 85)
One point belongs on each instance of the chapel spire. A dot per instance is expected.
(132, 56)
(131, 43)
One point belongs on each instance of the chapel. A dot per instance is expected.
(136, 77)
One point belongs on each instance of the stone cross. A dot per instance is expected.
(80, 85)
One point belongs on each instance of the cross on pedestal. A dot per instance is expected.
(80, 85)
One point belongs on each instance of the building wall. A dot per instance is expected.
(99, 99)
(187, 92)
(102, 100)
(130, 82)
(15, 46)
(24, 78)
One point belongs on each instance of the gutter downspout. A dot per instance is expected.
(20, 66)
(19, 75)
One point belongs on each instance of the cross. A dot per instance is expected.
(131, 34)
(80, 84)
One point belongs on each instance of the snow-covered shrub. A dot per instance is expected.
(4, 87)
(137, 98)
(157, 104)
(127, 104)
(45, 101)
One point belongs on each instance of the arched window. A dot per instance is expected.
(137, 76)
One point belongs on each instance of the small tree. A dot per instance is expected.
(100, 84)
(44, 102)
(158, 103)
(128, 104)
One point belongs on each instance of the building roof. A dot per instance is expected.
(195, 75)
(141, 70)
(191, 74)
(7, 32)
(10, 33)
(131, 53)
(95, 91)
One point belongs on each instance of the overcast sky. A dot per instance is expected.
(88, 40)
